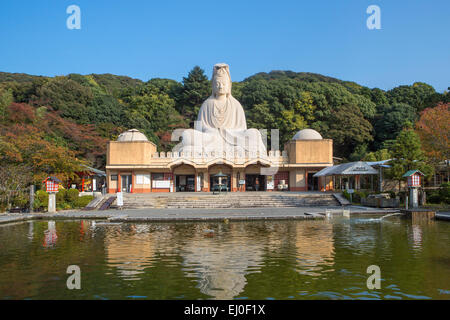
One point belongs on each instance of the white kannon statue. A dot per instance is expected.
(221, 124)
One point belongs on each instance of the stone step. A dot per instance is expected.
(230, 200)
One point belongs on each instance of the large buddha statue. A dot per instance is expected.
(221, 124)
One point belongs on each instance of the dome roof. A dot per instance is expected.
(307, 134)
(132, 135)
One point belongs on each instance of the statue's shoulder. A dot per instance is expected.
(207, 102)
(235, 101)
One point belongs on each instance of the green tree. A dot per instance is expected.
(419, 95)
(390, 120)
(407, 155)
(379, 155)
(196, 88)
(68, 97)
(6, 98)
(151, 111)
(348, 129)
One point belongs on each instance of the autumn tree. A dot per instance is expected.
(434, 131)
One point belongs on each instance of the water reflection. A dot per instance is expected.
(30, 230)
(220, 265)
(417, 237)
(129, 251)
(315, 247)
(50, 235)
(255, 260)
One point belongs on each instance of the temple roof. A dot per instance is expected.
(307, 134)
(132, 135)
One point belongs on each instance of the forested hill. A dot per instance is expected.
(301, 76)
(51, 124)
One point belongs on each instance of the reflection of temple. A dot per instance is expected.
(222, 143)
(130, 252)
(221, 267)
(315, 246)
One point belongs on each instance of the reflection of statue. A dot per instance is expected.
(221, 124)
(221, 267)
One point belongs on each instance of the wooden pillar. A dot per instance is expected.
(151, 182)
(306, 181)
(195, 181)
(133, 180)
(119, 182)
(207, 181)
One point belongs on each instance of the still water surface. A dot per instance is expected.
(239, 260)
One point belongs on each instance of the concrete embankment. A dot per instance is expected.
(155, 214)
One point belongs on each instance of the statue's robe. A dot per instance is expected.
(224, 130)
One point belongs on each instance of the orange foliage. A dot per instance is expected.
(434, 131)
(47, 143)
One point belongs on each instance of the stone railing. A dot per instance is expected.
(218, 154)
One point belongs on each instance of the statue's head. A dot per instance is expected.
(221, 80)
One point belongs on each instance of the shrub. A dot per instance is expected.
(41, 199)
(441, 195)
(66, 206)
(444, 193)
(346, 195)
(20, 201)
(433, 196)
(82, 201)
(358, 195)
(72, 195)
(61, 196)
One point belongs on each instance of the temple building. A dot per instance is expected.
(134, 165)
(219, 152)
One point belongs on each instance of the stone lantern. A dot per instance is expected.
(52, 187)
(414, 182)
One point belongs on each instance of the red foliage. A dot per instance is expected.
(434, 131)
(21, 113)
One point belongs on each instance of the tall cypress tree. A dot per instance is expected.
(196, 88)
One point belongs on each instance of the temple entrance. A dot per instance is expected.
(185, 183)
(255, 182)
(219, 169)
(126, 182)
(313, 182)
(223, 180)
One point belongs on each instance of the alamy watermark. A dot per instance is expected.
(374, 281)
(74, 280)
(74, 20)
(374, 20)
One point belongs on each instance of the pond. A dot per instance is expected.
(312, 259)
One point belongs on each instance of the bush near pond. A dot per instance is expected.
(441, 195)
(65, 199)
(356, 196)
(83, 201)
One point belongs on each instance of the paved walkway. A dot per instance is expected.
(137, 215)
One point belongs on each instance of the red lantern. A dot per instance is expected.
(413, 178)
(51, 184)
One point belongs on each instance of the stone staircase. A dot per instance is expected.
(229, 200)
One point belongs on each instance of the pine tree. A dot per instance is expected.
(196, 89)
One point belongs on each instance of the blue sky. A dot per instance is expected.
(148, 39)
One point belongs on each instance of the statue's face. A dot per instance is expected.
(221, 85)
